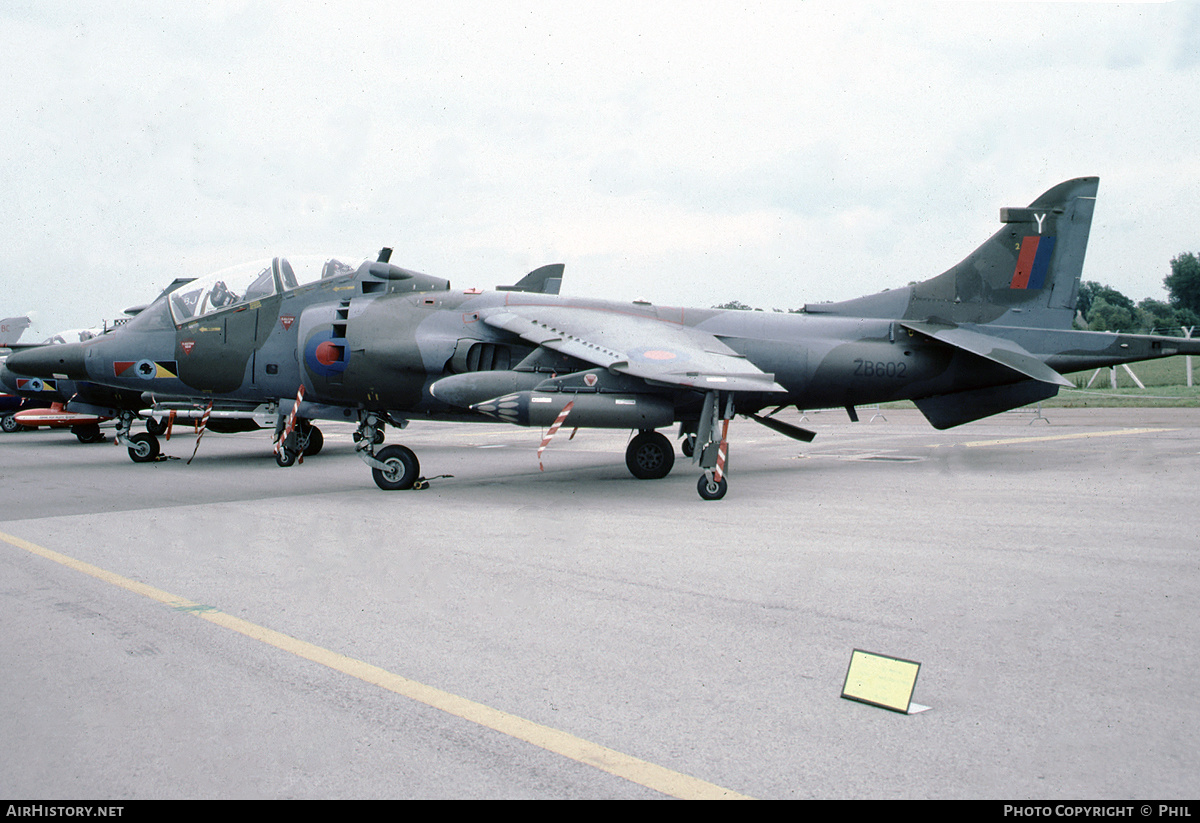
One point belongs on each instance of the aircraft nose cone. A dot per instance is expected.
(63, 361)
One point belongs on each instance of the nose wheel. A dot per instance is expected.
(400, 468)
(143, 447)
(394, 468)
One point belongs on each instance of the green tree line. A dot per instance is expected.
(1103, 308)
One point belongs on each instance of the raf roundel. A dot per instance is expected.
(657, 355)
(326, 355)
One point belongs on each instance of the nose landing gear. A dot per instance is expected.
(394, 468)
(143, 447)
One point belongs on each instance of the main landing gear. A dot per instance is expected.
(649, 456)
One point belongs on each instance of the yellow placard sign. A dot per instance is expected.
(879, 680)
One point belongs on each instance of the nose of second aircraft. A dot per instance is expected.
(7, 379)
(63, 361)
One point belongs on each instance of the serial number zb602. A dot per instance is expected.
(879, 368)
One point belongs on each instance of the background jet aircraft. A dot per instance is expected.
(11, 329)
(81, 405)
(43, 402)
(380, 344)
(34, 402)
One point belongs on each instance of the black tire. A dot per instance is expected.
(285, 457)
(156, 427)
(315, 441)
(144, 448)
(9, 423)
(712, 490)
(650, 456)
(403, 468)
(88, 434)
(688, 446)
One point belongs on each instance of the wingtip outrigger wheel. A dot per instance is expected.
(710, 488)
(712, 455)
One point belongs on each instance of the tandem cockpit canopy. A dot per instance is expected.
(251, 281)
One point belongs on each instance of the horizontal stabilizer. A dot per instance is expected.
(1004, 352)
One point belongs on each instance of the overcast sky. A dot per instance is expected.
(687, 153)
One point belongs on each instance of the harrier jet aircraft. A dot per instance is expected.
(45, 402)
(380, 344)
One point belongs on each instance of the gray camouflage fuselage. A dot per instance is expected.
(991, 333)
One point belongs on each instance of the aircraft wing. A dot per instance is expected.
(645, 347)
(995, 349)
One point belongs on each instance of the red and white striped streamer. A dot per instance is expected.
(200, 432)
(553, 428)
(721, 450)
(291, 424)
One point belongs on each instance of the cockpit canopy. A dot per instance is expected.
(72, 336)
(250, 281)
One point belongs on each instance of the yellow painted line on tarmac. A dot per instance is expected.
(643, 773)
(1006, 441)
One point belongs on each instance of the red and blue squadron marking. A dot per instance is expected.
(1033, 262)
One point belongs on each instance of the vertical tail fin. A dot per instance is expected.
(1026, 274)
(11, 329)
